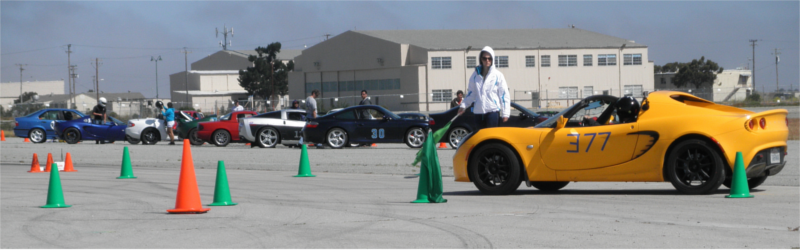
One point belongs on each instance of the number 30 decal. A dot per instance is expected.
(578, 141)
(377, 133)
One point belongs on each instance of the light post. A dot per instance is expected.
(466, 82)
(619, 65)
(153, 59)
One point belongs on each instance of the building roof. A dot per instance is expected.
(286, 54)
(502, 39)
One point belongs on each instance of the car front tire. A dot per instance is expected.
(72, 136)
(150, 136)
(694, 167)
(267, 137)
(336, 138)
(221, 138)
(494, 169)
(37, 135)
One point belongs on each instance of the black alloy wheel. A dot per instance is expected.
(72, 136)
(150, 136)
(494, 169)
(694, 167)
(194, 139)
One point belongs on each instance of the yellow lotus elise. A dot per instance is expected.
(672, 136)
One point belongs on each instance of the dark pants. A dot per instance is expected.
(488, 120)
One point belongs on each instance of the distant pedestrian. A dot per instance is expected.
(488, 89)
(457, 101)
(311, 105)
(99, 115)
(296, 104)
(238, 107)
(169, 118)
(364, 98)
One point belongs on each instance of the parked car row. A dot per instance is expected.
(352, 126)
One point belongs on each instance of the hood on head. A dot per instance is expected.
(491, 52)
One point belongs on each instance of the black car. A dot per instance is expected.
(364, 124)
(414, 116)
(465, 124)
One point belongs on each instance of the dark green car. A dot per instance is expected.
(187, 127)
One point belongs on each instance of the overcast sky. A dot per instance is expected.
(124, 35)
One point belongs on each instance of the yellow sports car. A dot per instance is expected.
(671, 136)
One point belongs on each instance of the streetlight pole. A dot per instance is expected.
(153, 59)
(186, 76)
(619, 62)
(20, 80)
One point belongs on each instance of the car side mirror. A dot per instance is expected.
(562, 122)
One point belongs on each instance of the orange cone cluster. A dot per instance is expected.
(35, 168)
(49, 162)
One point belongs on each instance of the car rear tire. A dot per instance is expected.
(37, 135)
(494, 169)
(193, 139)
(549, 186)
(221, 138)
(455, 136)
(267, 137)
(693, 167)
(751, 183)
(131, 140)
(415, 137)
(150, 136)
(71, 136)
(336, 138)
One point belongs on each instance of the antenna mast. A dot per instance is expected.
(225, 32)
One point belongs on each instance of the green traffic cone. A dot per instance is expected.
(222, 194)
(55, 196)
(739, 186)
(305, 169)
(422, 187)
(127, 170)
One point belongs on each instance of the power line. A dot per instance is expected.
(18, 52)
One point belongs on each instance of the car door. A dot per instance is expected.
(231, 125)
(116, 131)
(294, 122)
(581, 146)
(371, 125)
(45, 119)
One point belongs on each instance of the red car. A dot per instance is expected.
(224, 131)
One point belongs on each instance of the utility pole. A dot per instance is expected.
(154, 59)
(186, 76)
(97, 78)
(326, 36)
(753, 70)
(20, 80)
(777, 59)
(69, 75)
(72, 76)
(225, 33)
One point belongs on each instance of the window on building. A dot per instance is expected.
(545, 61)
(530, 61)
(633, 90)
(743, 79)
(471, 63)
(632, 59)
(567, 60)
(562, 60)
(441, 62)
(588, 91)
(587, 60)
(607, 60)
(568, 92)
(442, 95)
(502, 61)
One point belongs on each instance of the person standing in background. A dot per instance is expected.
(488, 89)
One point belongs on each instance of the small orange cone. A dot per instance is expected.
(26, 140)
(247, 144)
(49, 162)
(442, 145)
(188, 200)
(2, 135)
(374, 145)
(35, 168)
(68, 164)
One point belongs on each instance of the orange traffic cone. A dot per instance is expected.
(247, 144)
(68, 164)
(35, 168)
(26, 140)
(49, 162)
(442, 145)
(2, 135)
(188, 200)
(374, 145)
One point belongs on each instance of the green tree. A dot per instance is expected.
(257, 80)
(698, 73)
(27, 96)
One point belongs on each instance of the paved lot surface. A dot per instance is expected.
(360, 199)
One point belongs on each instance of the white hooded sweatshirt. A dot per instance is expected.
(489, 94)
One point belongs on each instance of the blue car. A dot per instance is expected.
(77, 130)
(365, 124)
(37, 125)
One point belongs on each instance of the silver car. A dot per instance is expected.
(269, 129)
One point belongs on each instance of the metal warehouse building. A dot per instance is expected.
(421, 70)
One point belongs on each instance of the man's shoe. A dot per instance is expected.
(172, 143)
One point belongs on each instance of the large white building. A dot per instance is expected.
(9, 91)
(213, 82)
(421, 70)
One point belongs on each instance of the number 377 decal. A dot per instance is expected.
(577, 142)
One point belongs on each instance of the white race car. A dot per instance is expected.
(150, 130)
(268, 129)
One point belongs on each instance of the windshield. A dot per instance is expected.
(554, 119)
(115, 120)
(527, 111)
(225, 117)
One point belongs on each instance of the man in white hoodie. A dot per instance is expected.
(489, 91)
